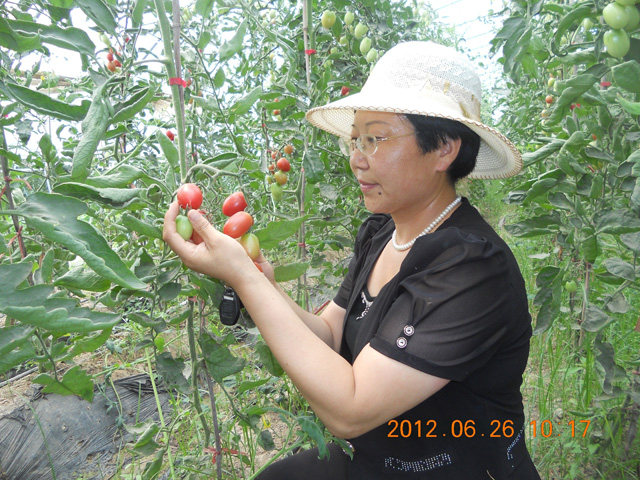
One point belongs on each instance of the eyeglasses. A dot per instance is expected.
(367, 144)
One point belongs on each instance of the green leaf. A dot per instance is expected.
(39, 307)
(14, 336)
(540, 187)
(314, 431)
(74, 382)
(152, 469)
(250, 385)
(313, 166)
(17, 357)
(616, 222)
(44, 104)
(268, 360)
(620, 268)
(286, 273)
(17, 41)
(98, 11)
(122, 177)
(169, 291)
(630, 107)
(276, 232)
(595, 319)
(145, 444)
(219, 360)
(94, 126)
(234, 45)
(265, 440)
(55, 216)
(68, 38)
(548, 298)
(133, 106)
(626, 75)
(632, 241)
(574, 17)
(243, 105)
(170, 369)
(113, 197)
(550, 148)
(204, 7)
(168, 149)
(535, 226)
(80, 278)
(141, 227)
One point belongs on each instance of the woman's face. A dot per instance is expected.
(398, 178)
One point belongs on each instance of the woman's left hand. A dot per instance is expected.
(218, 256)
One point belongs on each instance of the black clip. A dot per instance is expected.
(230, 306)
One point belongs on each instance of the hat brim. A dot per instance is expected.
(497, 158)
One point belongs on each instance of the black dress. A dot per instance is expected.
(458, 310)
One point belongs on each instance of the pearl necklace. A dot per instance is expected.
(431, 226)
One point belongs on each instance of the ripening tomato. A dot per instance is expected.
(117, 63)
(184, 227)
(276, 112)
(234, 203)
(110, 57)
(281, 177)
(288, 149)
(284, 165)
(274, 154)
(111, 66)
(251, 245)
(549, 99)
(238, 224)
(189, 195)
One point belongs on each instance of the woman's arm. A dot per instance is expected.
(349, 399)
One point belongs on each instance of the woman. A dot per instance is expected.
(418, 361)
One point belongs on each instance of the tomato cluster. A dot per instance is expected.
(239, 223)
(279, 172)
(113, 64)
(189, 195)
(622, 16)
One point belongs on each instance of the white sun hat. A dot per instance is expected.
(425, 78)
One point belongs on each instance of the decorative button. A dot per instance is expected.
(409, 330)
(401, 342)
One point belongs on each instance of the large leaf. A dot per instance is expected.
(56, 217)
(286, 273)
(74, 382)
(134, 105)
(98, 11)
(13, 337)
(276, 232)
(69, 38)
(535, 226)
(626, 76)
(243, 105)
(44, 104)
(616, 222)
(548, 298)
(268, 360)
(595, 319)
(17, 41)
(620, 268)
(234, 45)
(113, 197)
(219, 360)
(37, 305)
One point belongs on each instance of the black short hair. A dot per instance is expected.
(432, 132)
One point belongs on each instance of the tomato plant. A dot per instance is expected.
(189, 195)
(238, 224)
(234, 203)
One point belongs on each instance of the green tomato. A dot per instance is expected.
(251, 245)
(634, 18)
(184, 227)
(372, 55)
(343, 40)
(328, 19)
(587, 24)
(276, 192)
(617, 43)
(571, 286)
(615, 15)
(348, 18)
(360, 31)
(365, 45)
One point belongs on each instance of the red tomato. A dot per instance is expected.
(234, 203)
(276, 112)
(117, 63)
(344, 91)
(251, 245)
(281, 177)
(110, 57)
(238, 224)
(111, 66)
(284, 165)
(189, 195)
(549, 99)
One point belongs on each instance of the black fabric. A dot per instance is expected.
(307, 466)
(460, 296)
